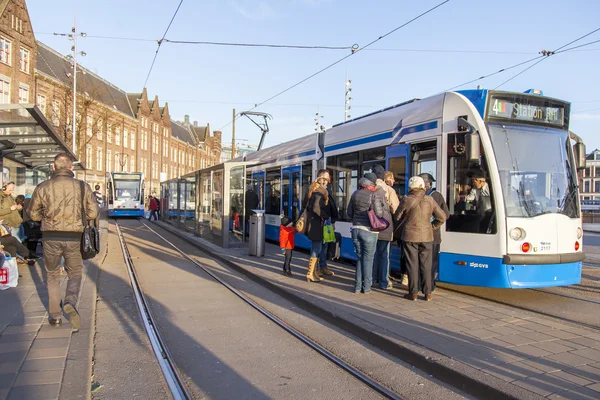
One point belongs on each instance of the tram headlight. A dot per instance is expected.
(517, 234)
(579, 233)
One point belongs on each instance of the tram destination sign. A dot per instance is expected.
(528, 109)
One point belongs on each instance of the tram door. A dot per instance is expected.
(258, 183)
(290, 191)
(398, 161)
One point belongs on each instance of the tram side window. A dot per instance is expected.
(273, 190)
(344, 180)
(470, 195)
(370, 158)
(306, 178)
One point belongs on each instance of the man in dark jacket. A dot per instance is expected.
(437, 235)
(58, 203)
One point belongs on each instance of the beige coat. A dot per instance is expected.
(414, 215)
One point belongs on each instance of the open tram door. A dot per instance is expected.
(397, 160)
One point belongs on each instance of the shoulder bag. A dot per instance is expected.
(377, 224)
(301, 222)
(90, 239)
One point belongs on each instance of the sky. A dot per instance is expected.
(460, 41)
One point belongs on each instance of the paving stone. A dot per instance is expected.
(588, 353)
(50, 343)
(481, 333)
(27, 320)
(580, 393)
(14, 346)
(43, 364)
(49, 332)
(578, 380)
(11, 362)
(569, 343)
(538, 336)
(21, 329)
(543, 364)
(569, 359)
(531, 351)
(513, 371)
(47, 353)
(535, 327)
(545, 384)
(503, 330)
(496, 344)
(584, 341)
(39, 377)
(595, 386)
(553, 347)
(37, 392)
(560, 334)
(6, 380)
(18, 337)
(516, 340)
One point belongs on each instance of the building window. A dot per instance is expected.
(588, 172)
(5, 50)
(125, 138)
(41, 103)
(117, 136)
(99, 159)
(89, 126)
(587, 187)
(56, 114)
(4, 90)
(109, 132)
(132, 141)
(17, 23)
(88, 156)
(109, 161)
(597, 186)
(154, 127)
(99, 124)
(24, 60)
(131, 164)
(23, 93)
(154, 170)
(118, 157)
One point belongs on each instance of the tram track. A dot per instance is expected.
(165, 359)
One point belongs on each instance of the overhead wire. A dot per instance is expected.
(160, 42)
(548, 54)
(342, 59)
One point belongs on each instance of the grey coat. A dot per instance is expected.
(360, 202)
(387, 234)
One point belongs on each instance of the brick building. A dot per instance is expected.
(589, 184)
(114, 130)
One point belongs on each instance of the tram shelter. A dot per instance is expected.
(28, 145)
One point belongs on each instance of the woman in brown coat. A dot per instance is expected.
(415, 214)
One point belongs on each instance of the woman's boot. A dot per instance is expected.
(311, 276)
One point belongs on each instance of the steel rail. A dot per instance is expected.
(164, 358)
(282, 324)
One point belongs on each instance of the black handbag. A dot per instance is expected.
(90, 239)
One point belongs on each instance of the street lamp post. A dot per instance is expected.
(123, 161)
(347, 99)
(73, 58)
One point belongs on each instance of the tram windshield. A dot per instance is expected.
(536, 171)
(127, 189)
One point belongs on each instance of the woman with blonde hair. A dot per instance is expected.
(317, 212)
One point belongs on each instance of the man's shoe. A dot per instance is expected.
(55, 322)
(74, 318)
(409, 296)
(327, 271)
(428, 297)
(390, 286)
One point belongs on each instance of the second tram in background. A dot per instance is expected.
(125, 194)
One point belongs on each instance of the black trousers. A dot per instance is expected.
(435, 263)
(13, 246)
(418, 263)
(288, 260)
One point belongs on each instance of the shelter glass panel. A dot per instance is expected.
(273, 190)
(236, 204)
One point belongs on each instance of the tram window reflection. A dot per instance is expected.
(273, 190)
(344, 180)
(470, 194)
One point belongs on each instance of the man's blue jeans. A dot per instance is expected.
(365, 244)
(381, 263)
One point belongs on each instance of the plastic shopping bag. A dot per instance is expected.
(9, 273)
(328, 233)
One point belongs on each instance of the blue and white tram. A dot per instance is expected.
(526, 234)
(125, 194)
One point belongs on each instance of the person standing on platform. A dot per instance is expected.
(58, 204)
(381, 263)
(333, 216)
(437, 233)
(9, 209)
(98, 196)
(415, 219)
(286, 243)
(317, 212)
(365, 240)
(153, 208)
